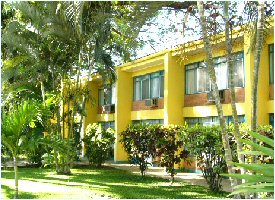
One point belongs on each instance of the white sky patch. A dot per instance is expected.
(165, 31)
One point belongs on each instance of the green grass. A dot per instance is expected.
(87, 183)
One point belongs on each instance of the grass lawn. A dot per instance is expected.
(87, 183)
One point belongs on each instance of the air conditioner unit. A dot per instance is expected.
(110, 108)
(151, 102)
(211, 97)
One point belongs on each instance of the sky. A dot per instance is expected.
(173, 36)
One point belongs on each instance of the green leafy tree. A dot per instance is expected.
(98, 143)
(205, 143)
(139, 143)
(15, 127)
(169, 147)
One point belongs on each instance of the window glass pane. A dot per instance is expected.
(156, 74)
(191, 66)
(137, 90)
(238, 73)
(219, 60)
(221, 75)
(107, 96)
(145, 89)
(161, 86)
(271, 119)
(113, 94)
(271, 63)
(192, 121)
(215, 120)
(241, 118)
(101, 97)
(202, 80)
(190, 82)
(155, 86)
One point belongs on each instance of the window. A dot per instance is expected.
(271, 119)
(271, 63)
(221, 72)
(197, 79)
(148, 121)
(210, 121)
(106, 96)
(149, 86)
(238, 70)
(106, 125)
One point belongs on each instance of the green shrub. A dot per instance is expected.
(170, 148)
(206, 144)
(98, 143)
(61, 154)
(139, 143)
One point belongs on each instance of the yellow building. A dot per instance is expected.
(163, 88)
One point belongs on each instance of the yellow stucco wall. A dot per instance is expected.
(173, 90)
(147, 114)
(92, 104)
(205, 111)
(124, 93)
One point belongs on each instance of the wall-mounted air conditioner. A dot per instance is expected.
(211, 97)
(151, 102)
(110, 108)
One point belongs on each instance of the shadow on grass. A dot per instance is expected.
(117, 183)
(9, 192)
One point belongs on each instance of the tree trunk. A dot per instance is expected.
(231, 83)
(15, 164)
(82, 117)
(257, 57)
(211, 70)
(230, 67)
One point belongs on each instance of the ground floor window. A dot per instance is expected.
(271, 119)
(211, 120)
(106, 125)
(148, 121)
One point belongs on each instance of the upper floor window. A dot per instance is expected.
(106, 96)
(271, 63)
(197, 79)
(149, 86)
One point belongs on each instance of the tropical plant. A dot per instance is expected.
(139, 143)
(169, 147)
(261, 178)
(98, 142)
(205, 143)
(15, 127)
(61, 153)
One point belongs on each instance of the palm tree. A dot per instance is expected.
(230, 67)
(211, 71)
(15, 127)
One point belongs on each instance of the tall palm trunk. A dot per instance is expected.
(211, 70)
(15, 165)
(230, 66)
(82, 117)
(257, 57)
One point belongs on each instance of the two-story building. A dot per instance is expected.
(166, 89)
